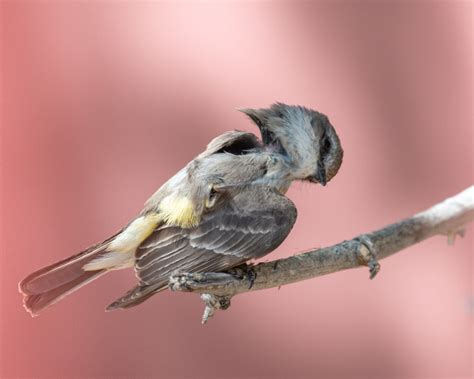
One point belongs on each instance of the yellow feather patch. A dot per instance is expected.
(179, 211)
(135, 233)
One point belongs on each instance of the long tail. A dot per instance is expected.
(50, 284)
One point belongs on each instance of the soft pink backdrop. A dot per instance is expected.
(102, 102)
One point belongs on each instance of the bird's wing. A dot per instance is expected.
(246, 226)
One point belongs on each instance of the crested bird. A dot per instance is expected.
(225, 207)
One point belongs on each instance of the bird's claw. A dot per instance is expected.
(374, 267)
(367, 256)
(244, 271)
(251, 276)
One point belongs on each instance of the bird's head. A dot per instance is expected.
(304, 136)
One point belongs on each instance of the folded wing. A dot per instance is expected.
(246, 226)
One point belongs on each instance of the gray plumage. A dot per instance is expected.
(242, 227)
(225, 207)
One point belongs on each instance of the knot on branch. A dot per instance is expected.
(452, 234)
(213, 302)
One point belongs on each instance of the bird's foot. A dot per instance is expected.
(366, 255)
(244, 271)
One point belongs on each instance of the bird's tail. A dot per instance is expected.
(52, 283)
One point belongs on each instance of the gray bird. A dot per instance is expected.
(223, 208)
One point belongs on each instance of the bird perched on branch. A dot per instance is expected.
(223, 208)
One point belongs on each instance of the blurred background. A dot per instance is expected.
(102, 102)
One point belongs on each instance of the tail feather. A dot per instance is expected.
(35, 303)
(52, 283)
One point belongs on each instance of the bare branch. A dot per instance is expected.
(446, 218)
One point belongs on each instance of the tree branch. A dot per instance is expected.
(446, 218)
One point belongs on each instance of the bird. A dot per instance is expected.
(227, 206)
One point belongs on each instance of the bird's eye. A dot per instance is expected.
(325, 147)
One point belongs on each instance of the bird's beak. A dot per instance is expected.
(321, 174)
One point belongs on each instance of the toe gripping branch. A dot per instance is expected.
(244, 271)
(204, 282)
(366, 254)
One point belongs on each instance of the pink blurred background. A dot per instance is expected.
(102, 102)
